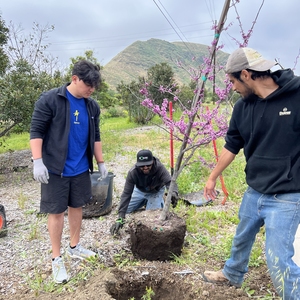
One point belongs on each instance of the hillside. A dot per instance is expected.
(134, 60)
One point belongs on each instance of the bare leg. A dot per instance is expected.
(55, 228)
(75, 220)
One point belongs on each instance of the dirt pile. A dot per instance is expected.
(153, 239)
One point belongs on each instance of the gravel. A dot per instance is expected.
(25, 253)
(26, 250)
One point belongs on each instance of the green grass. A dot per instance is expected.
(210, 234)
(14, 142)
(39, 284)
(116, 124)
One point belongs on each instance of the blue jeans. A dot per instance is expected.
(151, 200)
(280, 213)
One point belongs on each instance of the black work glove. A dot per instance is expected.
(114, 229)
(174, 200)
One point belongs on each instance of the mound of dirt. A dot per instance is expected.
(153, 239)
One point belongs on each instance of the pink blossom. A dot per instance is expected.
(197, 126)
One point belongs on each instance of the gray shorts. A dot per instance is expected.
(61, 192)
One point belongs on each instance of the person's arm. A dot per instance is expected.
(126, 195)
(125, 199)
(36, 148)
(225, 159)
(98, 152)
(99, 159)
(40, 172)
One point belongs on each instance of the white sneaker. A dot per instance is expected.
(59, 271)
(80, 252)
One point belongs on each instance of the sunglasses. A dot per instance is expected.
(146, 166)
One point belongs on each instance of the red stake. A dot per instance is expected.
(171, 139)
(221, 176)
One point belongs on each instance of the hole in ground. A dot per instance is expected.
(130, 285)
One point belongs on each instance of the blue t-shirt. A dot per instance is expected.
(77, 160)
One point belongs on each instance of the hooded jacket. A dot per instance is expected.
(51, 123)
(150, 183)
(269, 131)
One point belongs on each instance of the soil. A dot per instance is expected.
(23, 256)
(153, 239)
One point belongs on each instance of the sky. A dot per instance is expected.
(109, 26)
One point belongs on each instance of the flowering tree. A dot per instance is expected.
(197, 126)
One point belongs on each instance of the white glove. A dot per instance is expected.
(40, 172)
(102, 169)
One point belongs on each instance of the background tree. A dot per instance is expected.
(3, 41)
(186, 93)
(31, 48)
(20, 90)
(102, 95)
(131, 99)
(158, 76)
(27, 75)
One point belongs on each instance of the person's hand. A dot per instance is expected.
(209, 190)
(174, 199)
(102, 169)
(114, 229)
(40, 172)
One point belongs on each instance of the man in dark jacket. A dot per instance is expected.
(145, 185)
(265, 123)
(64, 138)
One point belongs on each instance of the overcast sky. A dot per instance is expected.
(108, 26)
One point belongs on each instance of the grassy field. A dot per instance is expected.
(115, 142)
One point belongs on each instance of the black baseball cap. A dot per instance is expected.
(144, 158)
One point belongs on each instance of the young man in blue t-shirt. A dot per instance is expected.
(64, 138)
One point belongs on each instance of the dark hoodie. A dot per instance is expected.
(269, 131)
(150, 183)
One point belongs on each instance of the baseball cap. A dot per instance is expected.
(247, 58)
(144, 158)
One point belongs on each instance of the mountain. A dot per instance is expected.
(136, 59)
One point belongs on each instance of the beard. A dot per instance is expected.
(248, 94)
(249, 98)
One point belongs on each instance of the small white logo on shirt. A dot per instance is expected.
(76, 114)
(285, 112)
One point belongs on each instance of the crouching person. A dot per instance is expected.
(145, 185)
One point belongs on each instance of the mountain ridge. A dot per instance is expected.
(137, 58)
